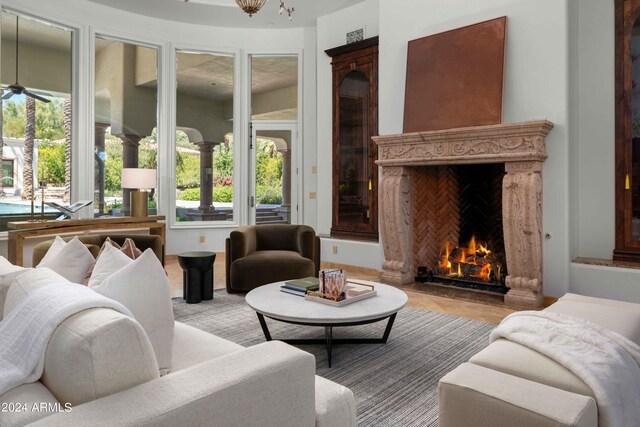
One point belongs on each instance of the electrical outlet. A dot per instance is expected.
(313, 195)
(203, 239)
(334, 248)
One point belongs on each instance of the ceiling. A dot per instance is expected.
(35, 32)
(212, 76)
(225, 13)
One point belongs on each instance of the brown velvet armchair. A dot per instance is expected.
(261, 254)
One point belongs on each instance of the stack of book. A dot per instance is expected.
(300, 286)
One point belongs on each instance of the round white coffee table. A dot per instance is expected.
(269, 301)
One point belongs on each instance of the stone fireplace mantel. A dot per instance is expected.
(520, 146)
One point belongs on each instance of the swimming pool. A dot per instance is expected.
(22, 208)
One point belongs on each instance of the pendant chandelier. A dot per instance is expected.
(251, 6)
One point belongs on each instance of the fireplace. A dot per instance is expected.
(463, 203)
(428, 179)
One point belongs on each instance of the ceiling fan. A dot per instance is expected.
(17, 88)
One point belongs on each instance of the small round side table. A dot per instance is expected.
(197, 275)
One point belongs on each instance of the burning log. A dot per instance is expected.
(474, 262)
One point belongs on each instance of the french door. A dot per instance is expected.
(273, 168)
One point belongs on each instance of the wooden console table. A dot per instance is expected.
(18, 231)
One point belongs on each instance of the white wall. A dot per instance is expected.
(332, 31)
(308, 135)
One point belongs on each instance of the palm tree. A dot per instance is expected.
(67, 151)
(29, 142)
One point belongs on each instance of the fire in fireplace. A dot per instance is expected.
(466, 201)
(475, 262)
(473, 266)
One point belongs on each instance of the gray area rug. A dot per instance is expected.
(395, 384)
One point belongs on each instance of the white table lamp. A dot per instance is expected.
(139, 180)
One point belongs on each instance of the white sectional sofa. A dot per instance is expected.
(101, 363)
(507, 384)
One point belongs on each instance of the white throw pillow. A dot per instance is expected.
(72, 261)
(54, 250)
(109, 261)
(28, 281)
(142, 286)
(8, 272)
(6, 267)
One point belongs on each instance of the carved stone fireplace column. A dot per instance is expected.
(522, 224)
(397, 228)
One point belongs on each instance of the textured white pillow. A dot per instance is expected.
(6, 267)
(8, 273)
(72, 261)
(142, 286)
(27, 282)
(109, 261)
(53, 251)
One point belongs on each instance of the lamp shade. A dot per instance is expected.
(138, 178)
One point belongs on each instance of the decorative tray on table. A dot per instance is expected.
(355, 292)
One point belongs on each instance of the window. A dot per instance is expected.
(7, 173)
(36, 57)
(274, 115)
(126, 103)
(204, 137)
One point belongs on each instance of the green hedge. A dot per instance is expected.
(191, 194)
(222, 194)
(269, 195)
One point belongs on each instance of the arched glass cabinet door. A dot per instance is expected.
(355, 121)
(354, 171)
(627, 131)
(634, 176)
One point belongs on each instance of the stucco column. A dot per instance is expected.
(130, 145)
(286, 178)
(397, 227)
(206, 176)
(522, 223)
(100, 157)
(285, 206)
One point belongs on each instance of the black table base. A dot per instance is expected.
(197, 276)
(328, 340)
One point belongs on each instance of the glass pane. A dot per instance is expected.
(273, 177)
(36, 135)
(204, 138)
(7, 173)
(635, 130)
(126, 99)
(353, 156)
(274, 88)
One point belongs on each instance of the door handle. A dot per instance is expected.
(252, 202)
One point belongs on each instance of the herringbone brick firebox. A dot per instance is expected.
(420, 198)
(453, 204)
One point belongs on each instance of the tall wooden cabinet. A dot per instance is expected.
(355, 121)
(627, 189)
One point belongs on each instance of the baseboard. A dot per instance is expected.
(354, 269)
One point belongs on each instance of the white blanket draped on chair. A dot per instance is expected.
(606, 361)
(26, 330)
